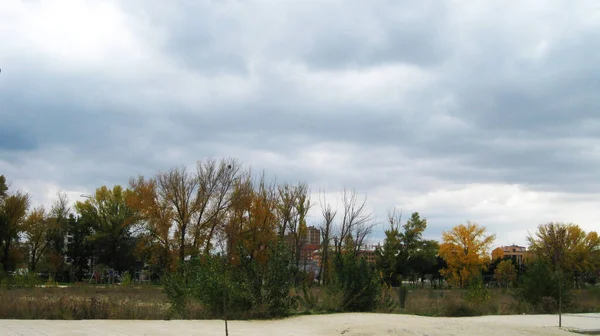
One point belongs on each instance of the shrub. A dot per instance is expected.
(539, 282)
(358, 281)
(477, 293)
(245, 290)
(278, 281)
(402, 295)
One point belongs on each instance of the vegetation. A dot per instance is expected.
(465, 249)
(220, 241)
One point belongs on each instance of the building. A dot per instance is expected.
(517, 253)
(368, 252)
(314, 236)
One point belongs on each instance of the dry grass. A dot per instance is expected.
(150, 303)
(500, 302)
(88, 302)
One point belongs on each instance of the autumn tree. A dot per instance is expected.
(566, 248)
(497, 253)
(293, 203)
(35, 231)
(465, 250)
(216, 181)
(155, 216)
(505, 273)
(179, 189)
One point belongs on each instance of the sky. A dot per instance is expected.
(483, 111)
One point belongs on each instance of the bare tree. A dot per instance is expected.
(355, 220)
(179, 188)
(326, 230)
(216, 181)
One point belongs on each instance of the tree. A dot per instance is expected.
(405, 254)
(155, 217)
(112, 220)
(424, 260)
(386, 257)
(497, 253)
(505, 273)
(465, 250)
(79, 248)
(57, 223)
(36, 230)
(355, 219)
(326, 231)
(566, 247)
(179, 189)
(13, 210)
(213, 199)
(3, 188)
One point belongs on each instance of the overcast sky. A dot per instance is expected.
(486, 111)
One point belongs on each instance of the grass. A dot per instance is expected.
(150, 303)
(88, 302)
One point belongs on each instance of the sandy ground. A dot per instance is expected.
(336, 324)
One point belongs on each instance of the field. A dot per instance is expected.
(150, 303)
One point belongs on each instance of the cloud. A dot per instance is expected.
(460, 111)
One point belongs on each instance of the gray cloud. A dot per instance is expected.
(379, 95)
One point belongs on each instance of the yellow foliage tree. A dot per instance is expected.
(465, 249)
(566, 247)
(155, 214)
(497, 253)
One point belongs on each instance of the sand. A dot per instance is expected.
(335, 324)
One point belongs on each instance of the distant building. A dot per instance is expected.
(517, 253)
(368, 252)
(314, 236)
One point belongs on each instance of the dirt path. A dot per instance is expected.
(326, 325)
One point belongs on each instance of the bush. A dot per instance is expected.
(402, 295)
(477, 293)
(539, 283)
(27, 280)
(235, 291)
(459, 309)
(358, 281)
(278, 281)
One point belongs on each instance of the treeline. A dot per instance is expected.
(157, 223)
(234, 241)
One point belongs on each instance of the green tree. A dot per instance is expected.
(505, 273)
(424, 261)
(13, 211)
(404, 253)
(386, 257)
(79, 248)
(3, 188)
(358, 281)
(112, 221)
